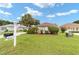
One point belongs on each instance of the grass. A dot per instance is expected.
(29, 44)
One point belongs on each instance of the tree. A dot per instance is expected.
(35, 21)
(63, 29)
(27, 20)
(77, 21)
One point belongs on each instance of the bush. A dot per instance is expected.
(24, 30)
(41, 32)
(53, 29)
(63, 29)
(32, 30)
(6, 30)
(46, 32)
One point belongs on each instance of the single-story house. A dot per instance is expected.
(42, 28)
(10, 27)
(71, 27)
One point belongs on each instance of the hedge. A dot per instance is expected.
(53, 29)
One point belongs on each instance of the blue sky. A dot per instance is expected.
(60, 13)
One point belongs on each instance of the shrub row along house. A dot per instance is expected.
(43, 28)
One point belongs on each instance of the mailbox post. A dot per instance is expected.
(15, 27)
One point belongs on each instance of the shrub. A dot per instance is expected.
(46, 32)
(32, 30)
(41, 32)
(24, 30)
(53, 29)
(63, 29)
(6, 30)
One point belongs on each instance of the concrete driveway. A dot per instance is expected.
(76, 33)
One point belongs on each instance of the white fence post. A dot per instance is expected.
(14, 34)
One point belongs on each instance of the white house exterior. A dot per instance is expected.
(42, 29)
(10, 27)
(2, 28)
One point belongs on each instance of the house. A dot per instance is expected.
(2, 29)
(71, 27)
(43, 28)
(10, 27)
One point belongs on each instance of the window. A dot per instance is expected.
(77, 28)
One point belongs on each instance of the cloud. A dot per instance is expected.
(67, 13)
(42, 5)
(18, 18)
(50, 16)
(6, 5)
(33, 12)
(5, 13)
(62, 13)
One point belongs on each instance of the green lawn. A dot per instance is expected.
(41, 44)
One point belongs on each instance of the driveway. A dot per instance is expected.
(76, 33)
(17, 34)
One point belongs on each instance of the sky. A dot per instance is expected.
(58, 13)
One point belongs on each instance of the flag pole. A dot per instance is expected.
(14, 34)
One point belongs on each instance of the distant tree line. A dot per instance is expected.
(5, 22)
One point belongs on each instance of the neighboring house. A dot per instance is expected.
(71, 27)
(10, 27)
(2, 29)
(42, 28)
